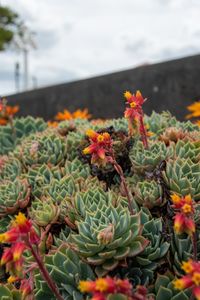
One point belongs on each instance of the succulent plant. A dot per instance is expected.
(10, 167)
(81, 210)
(188, 149)
(148, 194)
(8, 292)
(182, 177)
(66, 269)
(73, 143)
(91, 201)
(22, 127)
(44, 212)
(5, 222)
(157, 248)
(141, 269)
(172, 134)
(120, 124)
(157, 123)
(164, 290)
(13, 195)
(108, 236)
(188, 126)
(181, 250)
(145, 160)
(76, 168)
(46, 147)
(40, 177)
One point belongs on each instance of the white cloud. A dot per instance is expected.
(77, 39)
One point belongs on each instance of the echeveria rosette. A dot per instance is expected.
(23, 128)
(42, 148)
(182, 177)
(154, 254)
(145, 160)
(148, 194)
(14, 195)
(66, 269)
(10, 167)
(107, 237)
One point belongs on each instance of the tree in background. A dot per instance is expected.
(8, 26)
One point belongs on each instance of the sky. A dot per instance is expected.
(78, 39)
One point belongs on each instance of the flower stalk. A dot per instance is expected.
(101, 151)
(134, 114)
(22, 236)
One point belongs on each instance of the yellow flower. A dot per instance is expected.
(101, 285)
(175, 198)
(86, 286)
(20, 219)
(187, 208)
(91, 133)
(196, 278)
(133, 104)
(187, 266)
(12, 279)
(127, 95)
(188, 199)
(100, 138)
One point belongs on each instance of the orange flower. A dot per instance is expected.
(103, 288)
(135, 102)
(11, 110)
(100, 145)
(6, 111)
(87, 286)
(53, 124)
(26, 288)
(7, 256)
(81, 114)
(183, 224)
(17, 250)
(78, 114)
(62, 116)
(191, 280)
(183, 283)
(194, 109)
(183, 203)
(3, 121)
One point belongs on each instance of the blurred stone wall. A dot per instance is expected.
(169, 86)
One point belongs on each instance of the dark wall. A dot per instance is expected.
(168, 86)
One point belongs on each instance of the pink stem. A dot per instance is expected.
(121, 174)
(45, 273)
(143, 132)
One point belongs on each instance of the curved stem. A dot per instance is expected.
(45, 273)
(123, 181)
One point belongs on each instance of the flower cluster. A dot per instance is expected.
(191, 279)
(183, 221)
(6, 112)
(102, 288)
(134, 113)
(20, 236)
(78, 114)
(100, 145)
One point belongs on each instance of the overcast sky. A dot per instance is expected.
(82, 38)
